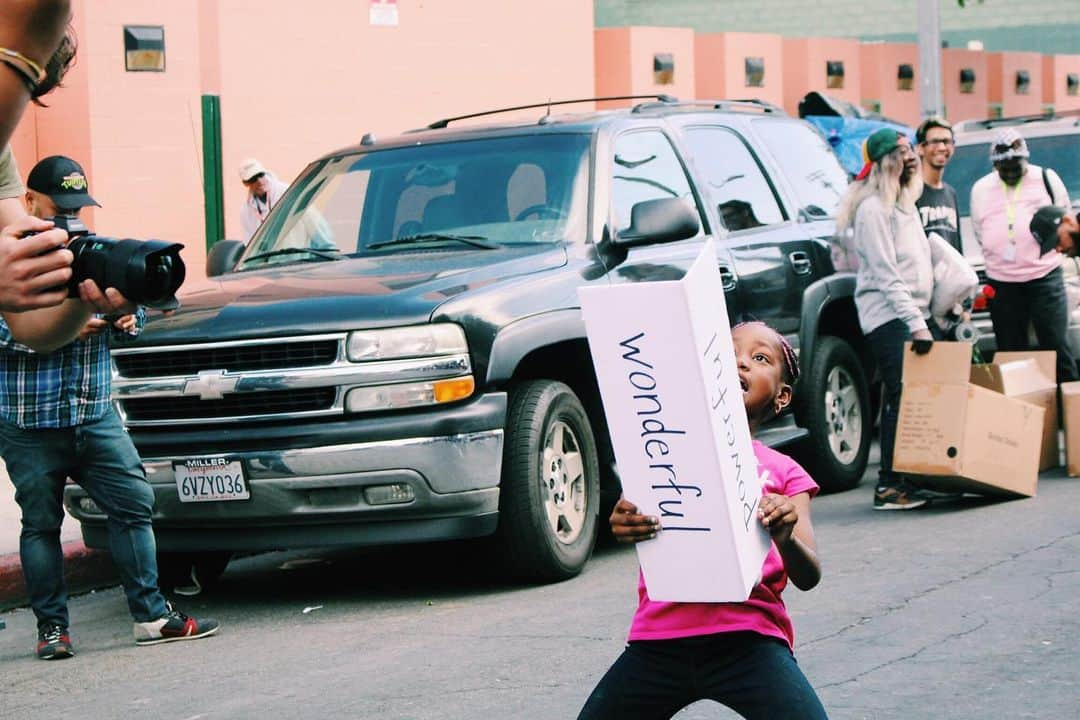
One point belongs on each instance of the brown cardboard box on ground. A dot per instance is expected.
(1070, 403)
(1027, 376)
(969, 438)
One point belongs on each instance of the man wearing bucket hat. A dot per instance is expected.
(894, 282)
(1028, 283)
(263, 192)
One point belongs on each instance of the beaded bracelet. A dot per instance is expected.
(29, 71)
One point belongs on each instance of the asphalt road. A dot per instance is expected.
(966, 610)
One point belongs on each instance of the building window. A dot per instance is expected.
(967, 80)
(755, 72)
(663, 68)
(1072, 84)
(905, 77)
(834, 73)
(144, 48)
(1023, 82)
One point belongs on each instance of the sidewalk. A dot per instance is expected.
(85, 569)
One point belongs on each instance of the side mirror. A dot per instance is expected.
(659, 220)
(223, 257)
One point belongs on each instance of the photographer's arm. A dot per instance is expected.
(50, 329)
(34, 29)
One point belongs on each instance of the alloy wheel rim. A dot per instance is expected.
(562, 480)
(843, 415)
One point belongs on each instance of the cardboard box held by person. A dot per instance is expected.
(968, 438)
(1027, 376)
(666, 367)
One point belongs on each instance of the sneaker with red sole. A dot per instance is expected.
(172, 626)
(54, 643)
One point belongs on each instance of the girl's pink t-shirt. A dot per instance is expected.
(764, 611)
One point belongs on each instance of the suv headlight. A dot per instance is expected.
(406, 342)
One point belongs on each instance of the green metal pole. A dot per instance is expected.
(213, 190)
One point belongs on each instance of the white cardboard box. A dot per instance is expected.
(666, 369)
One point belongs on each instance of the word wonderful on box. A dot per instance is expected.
(666, 368)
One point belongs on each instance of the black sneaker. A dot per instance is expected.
(54, 642)
(173, 625)
(902, 496)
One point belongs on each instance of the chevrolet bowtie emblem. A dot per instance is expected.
(210, 385)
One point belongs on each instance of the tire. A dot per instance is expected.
(550, 488)
(198, 570)
(834, 406)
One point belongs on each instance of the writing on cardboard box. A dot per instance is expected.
(648, 403)
(718, 401)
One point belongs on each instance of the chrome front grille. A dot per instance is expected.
(256, 380)
(274, 402)
(236, 358)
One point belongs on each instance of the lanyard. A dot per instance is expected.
(1010, 207)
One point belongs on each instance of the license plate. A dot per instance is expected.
(210, 480)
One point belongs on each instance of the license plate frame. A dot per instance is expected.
(210, 479)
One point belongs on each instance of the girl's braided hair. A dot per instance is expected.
(791, 360)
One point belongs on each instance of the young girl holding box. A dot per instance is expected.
(738, 654)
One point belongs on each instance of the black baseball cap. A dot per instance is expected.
(63, 180)
(1044, 226)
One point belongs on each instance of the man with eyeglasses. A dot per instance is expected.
(263, 192)
(1028, 284)
(937, 204)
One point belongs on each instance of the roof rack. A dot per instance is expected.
(991, 123)
(439, 124)
(742, 104)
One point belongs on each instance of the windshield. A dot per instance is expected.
(497, 191)
(1058, 152)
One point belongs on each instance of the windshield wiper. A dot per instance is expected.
(324, 254)
(473, 240)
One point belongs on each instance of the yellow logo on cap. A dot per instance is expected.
(74, 181)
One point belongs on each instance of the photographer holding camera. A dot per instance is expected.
(56, 422)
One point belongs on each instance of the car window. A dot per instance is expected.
(645, 167)
(968, 164)
(972, 161)
(733, 179)
(505, 191)
(1062, 153)
(808, 162)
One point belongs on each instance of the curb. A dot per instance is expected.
(84, 570)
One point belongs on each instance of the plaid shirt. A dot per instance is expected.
(65, 388)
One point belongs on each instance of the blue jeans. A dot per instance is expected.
(101, 458)
(754, 675)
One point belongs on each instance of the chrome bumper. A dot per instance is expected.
(315, 496)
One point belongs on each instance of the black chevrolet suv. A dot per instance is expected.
(399, 354)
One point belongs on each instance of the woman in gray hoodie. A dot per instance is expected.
(894, 282)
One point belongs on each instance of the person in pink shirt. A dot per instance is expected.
(1028, 284)
(737, 654)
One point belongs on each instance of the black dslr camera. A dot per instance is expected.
(147, 272)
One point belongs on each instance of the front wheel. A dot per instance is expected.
(834, 406)
(549, 493)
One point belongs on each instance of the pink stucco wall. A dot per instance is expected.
(1055, 69)
(442, 59)
(964, 106)
(1012, 102)
(879, 65)
(720, 60)
(624, 62)
(804, 69)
